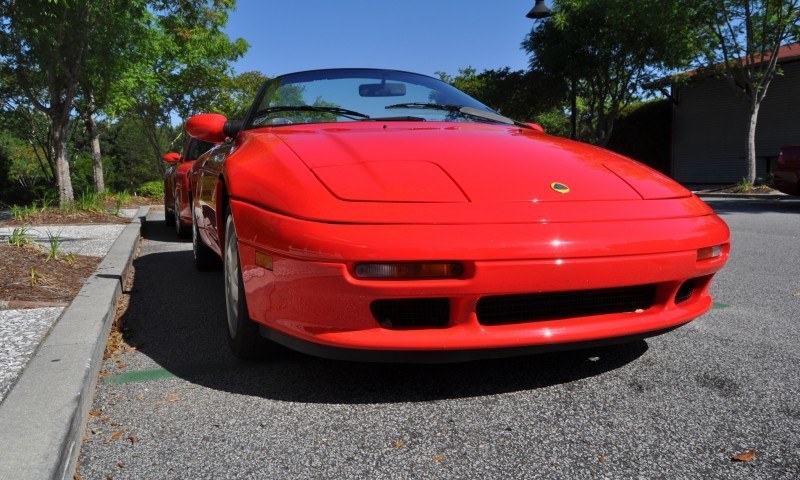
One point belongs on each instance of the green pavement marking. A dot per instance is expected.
(721, 305)
(140, 376)
(180, 371)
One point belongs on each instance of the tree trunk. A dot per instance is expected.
(751, 141)
(65, 195)
(97, 160)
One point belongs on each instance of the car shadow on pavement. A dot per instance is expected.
(176, 318)
(158, 231)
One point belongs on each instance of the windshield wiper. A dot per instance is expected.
(311, 108)
(472, 112)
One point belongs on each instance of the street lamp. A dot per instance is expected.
(539, 11)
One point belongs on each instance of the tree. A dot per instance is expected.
(183, 63)
(45, 45)
(237, 94)
(527, 96)
(746, 36)
(609, 50)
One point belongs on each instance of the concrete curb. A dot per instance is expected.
(746, 196)
(43, 417)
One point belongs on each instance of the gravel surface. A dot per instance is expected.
(90, 240)
(21, 331)
(675, 406)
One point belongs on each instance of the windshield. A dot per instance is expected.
(347, 95)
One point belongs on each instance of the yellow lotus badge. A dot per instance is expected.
(559, 187)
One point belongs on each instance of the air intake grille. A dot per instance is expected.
(685, 292)
(414, 312)
(499, 310)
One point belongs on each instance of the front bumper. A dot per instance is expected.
(311, 296)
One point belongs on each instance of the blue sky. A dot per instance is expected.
(422, 36)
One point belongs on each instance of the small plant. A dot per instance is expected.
(46, 204)
(22, 213)
(117, 205)
(16, 212)
(69, 258)
(744, 185)
(35, 278)
(89, 201)
(54, 241)
(123, 197)
(19, 237)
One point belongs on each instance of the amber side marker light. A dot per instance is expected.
(426, 270)
(709, 252)
(264, 261)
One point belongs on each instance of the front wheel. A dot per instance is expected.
(169, 217)
(181, 228)
(204, 257)
(243, 336)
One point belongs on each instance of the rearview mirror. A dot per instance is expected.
(208, 127)
(382, 89)
(171, 157)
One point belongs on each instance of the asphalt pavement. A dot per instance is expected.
(675, 406)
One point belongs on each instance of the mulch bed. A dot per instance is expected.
(739, 189)
(55, 217)
(29, 276)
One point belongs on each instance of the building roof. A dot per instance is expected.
(786, 53)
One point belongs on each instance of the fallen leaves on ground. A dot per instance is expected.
(438, 458)
(602, 458)
(133, 439)
(744, 457)
(399, 443)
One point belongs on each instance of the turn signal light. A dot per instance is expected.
(426, 270)
(709, 252)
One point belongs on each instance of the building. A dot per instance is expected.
(710, 119)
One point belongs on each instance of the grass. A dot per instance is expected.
(19, 237)
(54, 241)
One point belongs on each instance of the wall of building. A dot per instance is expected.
(709, 136)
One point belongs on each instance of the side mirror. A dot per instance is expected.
(536, 127)
(231, 128)
(171, 157)
(208, 127)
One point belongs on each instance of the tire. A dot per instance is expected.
(169, 217)
(181, 229)
(204, 258)
(243, 337)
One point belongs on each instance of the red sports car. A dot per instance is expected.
(384, 215)
(786, 176)
(177, 191)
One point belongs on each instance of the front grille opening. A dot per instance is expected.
(685, 292)
(412, 312)
(500, 310)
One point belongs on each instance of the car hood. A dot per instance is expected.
(456, 163)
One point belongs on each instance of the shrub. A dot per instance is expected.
(152, 189)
